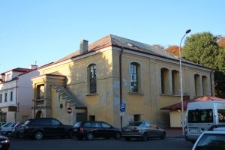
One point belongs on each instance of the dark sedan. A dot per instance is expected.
(143, 130)
(4, 142)
(95, 129)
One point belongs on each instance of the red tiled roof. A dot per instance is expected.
(177, 106)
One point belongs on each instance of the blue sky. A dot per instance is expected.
(44, 31)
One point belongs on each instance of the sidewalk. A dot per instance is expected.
(174, 133)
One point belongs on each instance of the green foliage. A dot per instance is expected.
(220, 61)
(203, 49)
(219, 84)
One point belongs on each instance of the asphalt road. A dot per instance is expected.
(100, 144)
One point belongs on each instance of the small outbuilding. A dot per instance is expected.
(175, 109)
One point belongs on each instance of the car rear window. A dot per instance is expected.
(87, 124)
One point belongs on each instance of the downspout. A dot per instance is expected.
(211, 86)
(121, 91)
(17, 109)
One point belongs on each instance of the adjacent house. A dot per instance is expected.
(93, 83)
(16, 94)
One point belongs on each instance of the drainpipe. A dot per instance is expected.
(120, 72)
(211, 74)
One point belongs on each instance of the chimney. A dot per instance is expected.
(83, 46)
(33, 66)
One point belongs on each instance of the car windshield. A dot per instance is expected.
(7, 125)
(27, 122)
(77, 124)
(211, 141)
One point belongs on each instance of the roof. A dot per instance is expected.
(24, 70)
(177, 106)
(128, 44)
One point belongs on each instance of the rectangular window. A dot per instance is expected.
(162, 82)
(93, 80)
(221, 115)
(11, 96)
(5, 97)
(0, 98)
(134, 77)
(200, 116)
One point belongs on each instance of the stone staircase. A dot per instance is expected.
(68, 96)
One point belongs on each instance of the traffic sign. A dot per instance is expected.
(69, 110)
(123, 107)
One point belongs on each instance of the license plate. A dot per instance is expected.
(193, 130)
(127, 130)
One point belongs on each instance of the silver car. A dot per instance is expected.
(143, 130)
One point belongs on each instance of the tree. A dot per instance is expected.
(203, 49)
(174, 49)
(221, 42)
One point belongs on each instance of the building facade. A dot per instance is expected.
(16, 94)
(97, 79)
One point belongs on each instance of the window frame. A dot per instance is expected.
(92, 78)
(135, 83)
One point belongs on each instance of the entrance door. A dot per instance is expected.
(81, 117)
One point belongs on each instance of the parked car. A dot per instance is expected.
(17, 130)
(2, 123)
(39, 128)
(210, 140)
(4, 142)
(143, 130)
(95, 129)
(217, 127)
(7, 128)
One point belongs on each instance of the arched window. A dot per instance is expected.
(135, 77)
(92, 78)
(175, 82)
(164, 81)
(204, 85)
(197, 85)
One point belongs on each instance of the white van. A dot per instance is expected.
(201, 115)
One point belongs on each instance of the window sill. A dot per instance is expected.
(91, 94)
(136, 93)
(174, 95)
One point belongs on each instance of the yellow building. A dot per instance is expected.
(95, 80)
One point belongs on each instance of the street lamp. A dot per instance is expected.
(181, 85)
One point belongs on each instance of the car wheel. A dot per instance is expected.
(127, 138)
(117, 135)
(8, 133)
(144, 137)
(38, 135)
(163, 135)
(70, 134)
(90, 136)
(20, 135)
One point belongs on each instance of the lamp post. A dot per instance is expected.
(181, 83)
